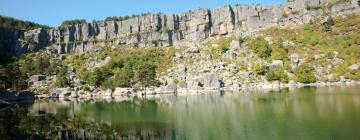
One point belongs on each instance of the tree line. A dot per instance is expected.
(12, 23)
(14, 72)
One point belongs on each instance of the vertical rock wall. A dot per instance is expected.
(167, 29)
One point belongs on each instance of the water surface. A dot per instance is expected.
(306, 113)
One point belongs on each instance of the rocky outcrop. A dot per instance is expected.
(169, 29)
(26, 95)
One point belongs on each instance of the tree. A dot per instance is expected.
(277, 74)
(13, 75)
(261, 47)
(2, 77)
(41, 64)
(145, 75)
(305, 74)
(61, 78)
(99, 76)
(123, 78)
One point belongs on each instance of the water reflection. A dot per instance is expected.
(306, 113)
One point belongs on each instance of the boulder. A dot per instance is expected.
(275, 64)
(108, 93)
(193, 49)
(61, 92)
(26, 95)
(194, 83)
(353, 67)
(7, 96)
(234, 45)
(295, 60)
(122, 91)
(231, 54)
(74, 94)
(4, 103)
(170, 88)
(342, 79)
(212, 81)
(36, 78)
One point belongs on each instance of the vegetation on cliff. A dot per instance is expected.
(332, 44)
(12, 23)
(322, 41)
(127, 67)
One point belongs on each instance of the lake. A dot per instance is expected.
(329, 113)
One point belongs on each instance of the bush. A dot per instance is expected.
(309, 36)
(278, 74)
(259, 69)
(224, 44)
(353, 75)
(261, 47)
(305, 74)
(278, 53)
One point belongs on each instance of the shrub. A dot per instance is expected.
(278, 53)
(278, 74)
(305, 74)
(353, 75)
(309, 36)
(259, 69)
(328, 24)
(224, 45)
(261, 47)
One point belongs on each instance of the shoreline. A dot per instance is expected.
(124, 93)
(127, 94)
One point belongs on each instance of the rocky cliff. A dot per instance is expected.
(168, 29)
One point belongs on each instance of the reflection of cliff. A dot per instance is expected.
(306, 113)
(54, 106)
(72, 120)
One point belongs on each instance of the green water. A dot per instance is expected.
(299, 114)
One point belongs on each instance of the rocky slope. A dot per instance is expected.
(170, 29)
(211, 49)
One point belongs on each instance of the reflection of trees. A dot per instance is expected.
(307, 113)
(82, 125)
(9, 122)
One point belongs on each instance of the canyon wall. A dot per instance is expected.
(162, 30)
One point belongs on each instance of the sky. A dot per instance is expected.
(53, 12)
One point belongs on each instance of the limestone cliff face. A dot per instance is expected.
(168, 29)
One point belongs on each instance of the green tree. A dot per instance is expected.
(2, 77)
(41, 64)
(145, 75)
(124, 77)
(62, 78)
(305, 74)
(99, 76)
(277, 74)
(261, 47)
(13, 76)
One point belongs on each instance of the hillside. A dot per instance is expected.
(231, 47)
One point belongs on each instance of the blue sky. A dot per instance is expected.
(53, 12)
